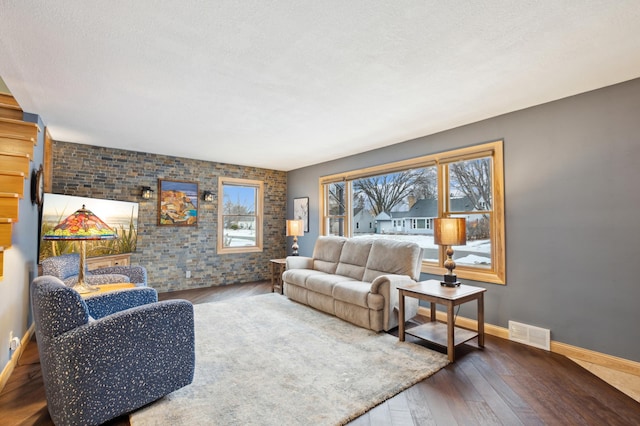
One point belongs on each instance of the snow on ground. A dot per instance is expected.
(426, 241)
(240, 237)
(474, 250)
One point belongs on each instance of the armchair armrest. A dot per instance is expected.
(114, 353)
(299, 262)
(136, 273)
(105, 304)
(97, 279)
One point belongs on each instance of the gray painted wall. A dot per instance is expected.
(20, 263)
(572, 170)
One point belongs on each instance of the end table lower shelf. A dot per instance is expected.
(436, 332)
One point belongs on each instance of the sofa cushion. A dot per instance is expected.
(299, 276)
(353, 258)
(358, 315)
(321, 302)
(353, 292)
(324, 283)
(393, 257)
(326, 253)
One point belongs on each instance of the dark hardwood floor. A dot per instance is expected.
(505, 383)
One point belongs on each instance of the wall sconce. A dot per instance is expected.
(207, 196)
(450, 231)
(295, 228)
(147, 192)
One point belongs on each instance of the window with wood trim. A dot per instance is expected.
(239, 215)
(401, 200)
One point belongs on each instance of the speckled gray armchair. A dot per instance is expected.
(111, 353)
(67, 266)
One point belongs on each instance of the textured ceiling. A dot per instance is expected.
(287, 83)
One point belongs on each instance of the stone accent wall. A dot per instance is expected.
(166, 251)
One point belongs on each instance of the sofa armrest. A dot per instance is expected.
(387, 286)
(299, 262)
(104, 304)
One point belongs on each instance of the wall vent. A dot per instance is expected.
(530, 335)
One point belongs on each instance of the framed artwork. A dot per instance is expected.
(301, 211)
(177, 203)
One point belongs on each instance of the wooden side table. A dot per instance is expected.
(277, 268)
(447, 335)
(105, 288)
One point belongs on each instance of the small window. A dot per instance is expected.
(239, 215)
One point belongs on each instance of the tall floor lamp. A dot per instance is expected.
(81, 226)
(450, 231)
(295, 229)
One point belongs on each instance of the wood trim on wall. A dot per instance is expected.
(8, 369)
(48, 161)
(598, 358)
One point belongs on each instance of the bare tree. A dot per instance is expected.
(425, 185)
(336, 199)
(236, 212)
(387, 191)
(473, 179)
(237, 208)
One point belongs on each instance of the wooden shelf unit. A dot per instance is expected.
(17, 139)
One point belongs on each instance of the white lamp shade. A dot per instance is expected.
(450, 231)
(295, 228)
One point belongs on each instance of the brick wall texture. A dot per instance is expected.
(167, 251)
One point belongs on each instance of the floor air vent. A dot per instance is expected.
(530, 335)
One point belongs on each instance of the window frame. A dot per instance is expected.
(497, 273)
(258, 185)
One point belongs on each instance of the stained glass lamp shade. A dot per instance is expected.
(81, 226)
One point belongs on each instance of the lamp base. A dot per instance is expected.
(82, 286)
(450, 281)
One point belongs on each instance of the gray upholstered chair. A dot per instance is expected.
(66, 268)
(111, 353)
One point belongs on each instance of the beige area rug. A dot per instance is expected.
(266, 360)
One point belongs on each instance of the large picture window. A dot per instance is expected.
(402, 199)
(239, 215)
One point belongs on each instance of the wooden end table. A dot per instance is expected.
(277, 268)
(106, 288)
(446, 335)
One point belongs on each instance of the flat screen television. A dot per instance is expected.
(121, 216)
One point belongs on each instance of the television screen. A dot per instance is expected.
(121, 216)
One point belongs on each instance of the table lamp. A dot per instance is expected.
(295, 228)
(81, 226)
(450, 231)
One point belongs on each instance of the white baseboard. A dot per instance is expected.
(11, 365)
(598, 358)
